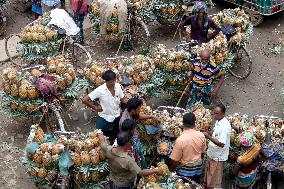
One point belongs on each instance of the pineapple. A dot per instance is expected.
(85, 158)
(6, 88)
(13, 106)
(76, 158)
(23, 93)
(33, 93)
(44, 147)
(33, 172)
(95, 176)
(96, 141)
(88, 145)
(95, 158)
(60, 69)
(99, 81)
(163, 168)
(36, 73)
(21, 108)
(60, 83)
(68, 79)
(30, 155)
(38, 138)
(57, 149)
(71, 72)
(163, 147)
(14, 90)
(46, 159)
(42, 173)
(38, 157)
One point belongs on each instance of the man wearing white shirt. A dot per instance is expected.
(110, 95)
(218, 149)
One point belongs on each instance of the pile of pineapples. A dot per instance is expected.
(165, 181)
(90, 165)
(203, 117)
(170, 73)
(42, 157)
(168, 12)
(21, 97)
(237, 18)
(38, 41)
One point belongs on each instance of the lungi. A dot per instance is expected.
(213, 173)
(109, 129)
(191, 170)
(113, 186)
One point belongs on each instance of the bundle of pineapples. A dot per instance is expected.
(94, 71)
(168, 12)
(91, 167)
(38, 41)
(203, 117)
(218, 48)
(171, 72)
(238, 19)
(171, 123)
(42, 157)
(22, 98)
(166, 181)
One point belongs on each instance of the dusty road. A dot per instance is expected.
(258, 94)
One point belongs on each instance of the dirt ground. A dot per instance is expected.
(258, 94)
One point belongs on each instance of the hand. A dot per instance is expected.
(159, 172)
(206, 134)
(102, 137)
(213, 95)
(98, 108)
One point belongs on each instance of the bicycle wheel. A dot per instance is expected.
(11, 50)
(78, 55)
(140, 36)
(242, 63)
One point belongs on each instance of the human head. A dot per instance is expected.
(128, 125)
(123, 139)
(110, 78)
(205, 56)
(219, 112)
(133, 107)
(246, 138)
(200, 8)
(189, 120)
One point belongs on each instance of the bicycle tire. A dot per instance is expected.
(12, 58)
(235, 69)
(79, 56)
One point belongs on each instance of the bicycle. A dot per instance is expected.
(73, 51)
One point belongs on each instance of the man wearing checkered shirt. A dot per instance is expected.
(48, 5)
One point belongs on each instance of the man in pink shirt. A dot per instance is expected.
(80, 9)
(189, 146)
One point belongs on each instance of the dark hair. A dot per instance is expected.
(109, 75)
(128, 125)
(189, 120)
(222, 107)
(133, 104)
(122, 138)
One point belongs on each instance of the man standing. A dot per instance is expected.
(186, 154)
(80, 9)
(200, 24)
(218, 149)
(48, 5)
(123, 168)
(200, 87)
(110, 95)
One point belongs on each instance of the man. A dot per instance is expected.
(200, 24)
(110, 95)
(80, 9)
(200, 87)
(186, 154)
(48, 5)
(218, 149)
(123, 168)
(132, 111)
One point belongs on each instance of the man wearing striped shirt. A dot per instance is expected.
(201, 79)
